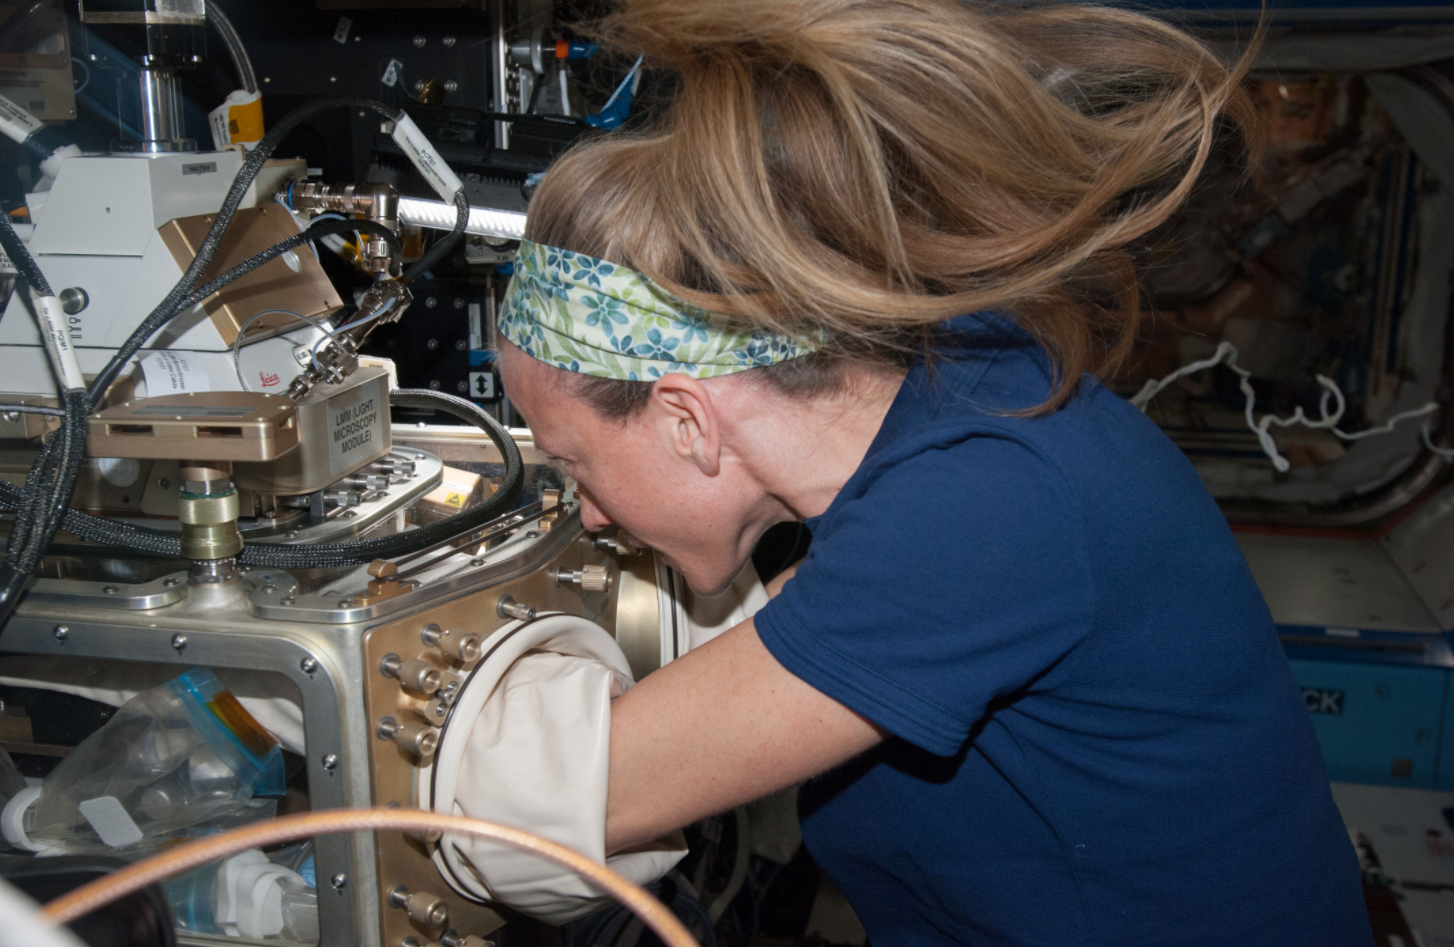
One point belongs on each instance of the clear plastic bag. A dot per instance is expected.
(171, 758)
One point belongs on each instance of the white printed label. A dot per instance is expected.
(111, 821)
(16, 122)
(168, 373)
(477, 331)
(482, 385)
(408, 137)
(391, 73)
(355, 428)
(340, 32)
(57, 340)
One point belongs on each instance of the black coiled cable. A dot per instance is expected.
(276, 556)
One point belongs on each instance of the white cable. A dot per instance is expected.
(21, 921)
(1226, 354)
(1444, 452)
(237, 342)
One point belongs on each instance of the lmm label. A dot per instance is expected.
(206, 167)
(1322, 701)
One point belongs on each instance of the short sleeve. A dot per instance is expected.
(949, 578)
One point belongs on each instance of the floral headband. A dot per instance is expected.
(585, 315)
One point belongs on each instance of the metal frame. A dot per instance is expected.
(323, 662)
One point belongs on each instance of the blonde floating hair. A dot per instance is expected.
(874, 167)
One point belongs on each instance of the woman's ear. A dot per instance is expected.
(681, 409)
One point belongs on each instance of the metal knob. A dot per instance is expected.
(460, 646)
(416, 738)
(624, 544)
(589, 578)
(509, 608)
(419, 675)
(455, 939)
(421, 906)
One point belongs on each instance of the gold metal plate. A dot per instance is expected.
(214, 425)
(274, 285)
(403, 860)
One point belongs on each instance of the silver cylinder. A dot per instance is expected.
(162, 128)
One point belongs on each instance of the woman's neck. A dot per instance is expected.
(802, 451)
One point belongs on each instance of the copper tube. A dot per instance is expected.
(174, 861)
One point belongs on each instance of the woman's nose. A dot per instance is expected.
(593, 518)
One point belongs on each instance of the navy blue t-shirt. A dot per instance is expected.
(1095, 735)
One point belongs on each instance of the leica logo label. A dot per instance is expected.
(268, 380)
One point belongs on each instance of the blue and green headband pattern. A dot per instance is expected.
(586, 315)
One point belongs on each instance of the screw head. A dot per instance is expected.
(477, 562)
(109, 590)
(61, 631)
(339, 881)
(179, 642)
(171, 581)
(419, 42)
(448, 41)
(345, 603)
(430, 302)
(309, 665)
(286, 600)
(451, 86)
(330, 761)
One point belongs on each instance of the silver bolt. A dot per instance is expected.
(179, 642)
(309, 665)
(109, 590)
(330, 762)
(171, 581)
(460, 345)
(477, 562)
(430, 302)
(339, 881)
(61, 631)
(432, 344)
(345, 602)
(450, 85)
(418, 456)
(449, 42)
(419, 42)
(458, 300)
(461, 386)
(286, 600)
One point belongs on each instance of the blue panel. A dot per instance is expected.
(1376, 723)
(1445, 778)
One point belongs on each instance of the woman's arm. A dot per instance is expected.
(722, 725)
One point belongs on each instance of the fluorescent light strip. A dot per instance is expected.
(438, 215)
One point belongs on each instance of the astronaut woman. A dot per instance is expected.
(863, 272)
